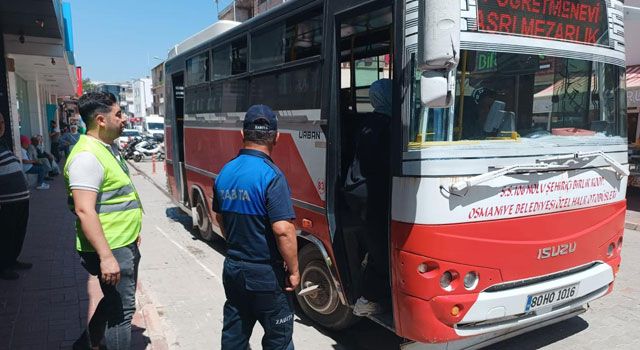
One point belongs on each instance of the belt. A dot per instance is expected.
(265, 261)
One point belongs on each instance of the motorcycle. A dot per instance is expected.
(128, 150)
(147, 149)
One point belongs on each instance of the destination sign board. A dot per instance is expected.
(583, 21)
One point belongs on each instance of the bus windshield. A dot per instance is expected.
(511, 96)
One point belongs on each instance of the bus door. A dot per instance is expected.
(364, 55)
(177, 81)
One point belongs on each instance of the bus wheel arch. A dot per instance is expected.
(200, 213)
(325, 304)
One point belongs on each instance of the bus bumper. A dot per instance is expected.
(495, 311)
(487, 339)
(498, 315)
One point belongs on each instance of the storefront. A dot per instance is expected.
(633, 103)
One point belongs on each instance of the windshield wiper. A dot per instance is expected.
(460, 186)
(541, 164)
(619, 168)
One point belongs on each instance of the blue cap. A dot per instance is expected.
(260, 118)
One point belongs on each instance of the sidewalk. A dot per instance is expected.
(633, 209)
(49, 305)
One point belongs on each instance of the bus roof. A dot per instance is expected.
(202, 36)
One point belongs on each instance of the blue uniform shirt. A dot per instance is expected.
(251, 193)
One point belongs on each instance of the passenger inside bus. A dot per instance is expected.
(368, 179)
(476, 113)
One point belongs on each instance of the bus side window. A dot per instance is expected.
(221, 66)
(267, 47)
(303, 37)
(198, 69)
(239, 56)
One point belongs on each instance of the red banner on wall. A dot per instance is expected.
(583, 21)
(79, 77)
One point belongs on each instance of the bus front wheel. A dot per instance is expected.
(322, 304)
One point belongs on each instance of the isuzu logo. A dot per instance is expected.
(556, 250)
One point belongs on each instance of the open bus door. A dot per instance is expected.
(364, 52)
(177, 84)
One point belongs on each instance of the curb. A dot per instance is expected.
(157, 336)
(159, 339)
(147, 177)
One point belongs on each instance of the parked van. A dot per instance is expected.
(154, 125)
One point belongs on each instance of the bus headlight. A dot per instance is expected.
(471, 280)
(445, 280)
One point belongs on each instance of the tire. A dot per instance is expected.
(137, 158)
(204, 224)
(322, 306)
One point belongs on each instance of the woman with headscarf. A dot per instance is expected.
(373, 144)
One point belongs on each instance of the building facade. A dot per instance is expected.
(157, 89)
(632, 25)
(242, 10)
(37, 70)
(142, 97)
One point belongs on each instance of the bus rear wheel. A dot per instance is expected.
(323, 304)
(204, 224)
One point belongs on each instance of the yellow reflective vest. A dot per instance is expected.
(118, 204)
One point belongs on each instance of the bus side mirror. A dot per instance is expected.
(437, 88)
(438, 51)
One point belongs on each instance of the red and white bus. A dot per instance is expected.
(508, 151)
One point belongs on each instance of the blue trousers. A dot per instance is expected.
(112, 319)
(255, 292)
(38, 170)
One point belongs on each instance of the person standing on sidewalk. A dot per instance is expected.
(14, 210)
(109, 221)
(253, 205)
(54, 135)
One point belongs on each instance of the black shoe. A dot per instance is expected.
(19, 265)
(8, 275)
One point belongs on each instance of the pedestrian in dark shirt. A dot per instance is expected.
(14, 211)
(253, 205)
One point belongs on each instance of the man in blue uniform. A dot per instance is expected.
(253, 204)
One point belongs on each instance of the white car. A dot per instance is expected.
(126, 136)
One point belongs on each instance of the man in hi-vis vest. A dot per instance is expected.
(109, 213)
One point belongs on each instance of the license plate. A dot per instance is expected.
(536, 301)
